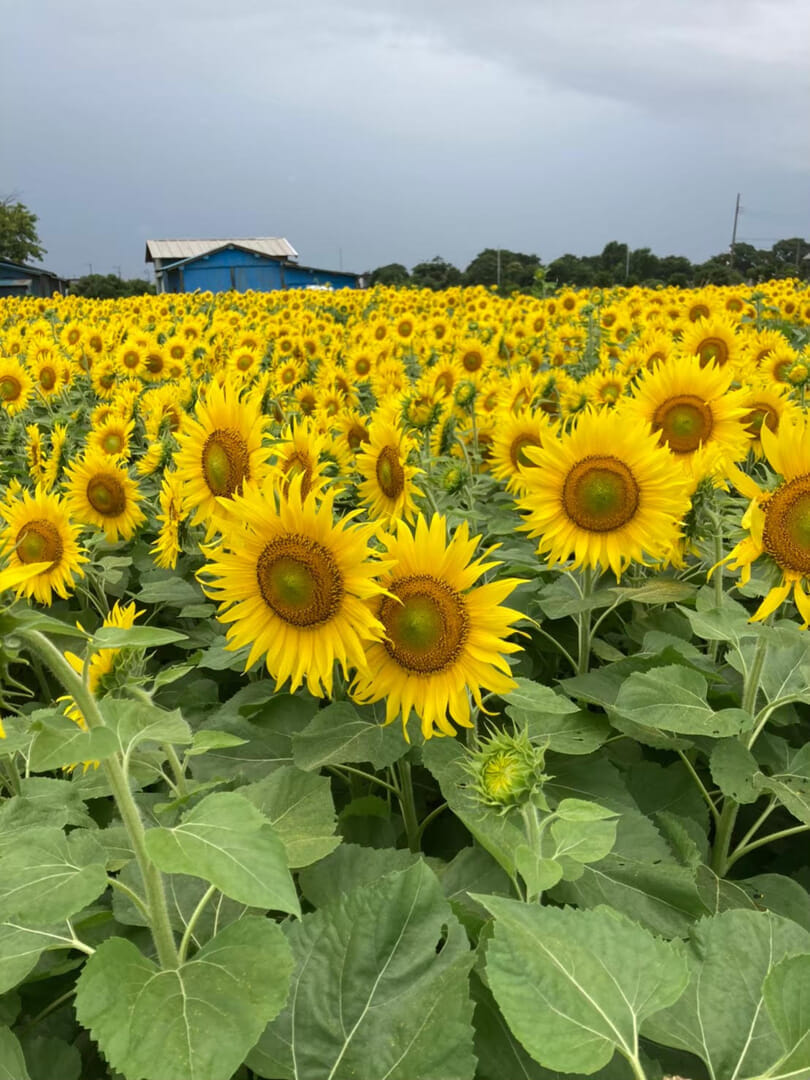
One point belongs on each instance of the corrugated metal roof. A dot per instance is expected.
(172, 250)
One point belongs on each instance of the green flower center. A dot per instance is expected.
(786, 533)
(106, 495)
(425, 623)
(39, 541)
(685, 421)
(600, 494)
(299, 580)
(390, 474)
(225, 462)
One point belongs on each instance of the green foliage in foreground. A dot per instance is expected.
(611, 881)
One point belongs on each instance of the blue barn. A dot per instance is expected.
(262, 263)
(17, 279)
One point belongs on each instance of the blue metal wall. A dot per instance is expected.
(233, 268)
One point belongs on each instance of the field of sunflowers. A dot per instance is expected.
(406, 685)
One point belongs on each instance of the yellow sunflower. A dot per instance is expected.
(15, 385)
(691, 406)
(513, 433)
(713, 340)
(387, 487)
(294, 585)
(102, 494)
(603, 494)
(778, 521)
(445, 639)
(220, 450)
(767, 406)
(112, 437)
(167, 546)
(39, 531)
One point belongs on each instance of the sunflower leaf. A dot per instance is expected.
(196, 1021)
(134, 637)
(49, 875)
(674, 698)
(59, 742)
(339, 735)
(574, 986)
(299, 806)
(380, 989)
(721, 1017)
(12, 1062)
(227, 841)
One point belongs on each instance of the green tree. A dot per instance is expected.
(110, 287)
(19, 241)
(436, 274)
(390, 274)
(516, 269)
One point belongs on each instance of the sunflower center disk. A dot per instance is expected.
(39, 541)
(47, 378)
(225, 462)
(517, 451)
(426, 625)
(10, 388)
(600, 494)
(107, 496)
(390, 474)
(685, 422)
(786, 534)
(113, 443)
(299, 580)
(713, 351)
(759, 415)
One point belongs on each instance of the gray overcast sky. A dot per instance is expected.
(396, 130)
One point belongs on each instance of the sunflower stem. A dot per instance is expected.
(718, 575)
(127, 807)
(584, 622)
(721, 862)
(408, 806)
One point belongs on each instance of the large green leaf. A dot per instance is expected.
(48, 875)
(721, 1018)
(49, 1058)
(299, 806)
(379, 991)
(42, 801)
(135, 722)
(12, 1062)
(197, 1021)
(349, 867)
(556, 720)
(674, 698)
(339, 734)
(227, 841)
(733, 768)
(21, 947)
(59, 742)
(575, 986)
(787, 998)
(791, 787)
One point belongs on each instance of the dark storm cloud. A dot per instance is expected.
(370, 131)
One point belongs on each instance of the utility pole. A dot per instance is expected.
(734, 230)
(118, 268)
(91, 267)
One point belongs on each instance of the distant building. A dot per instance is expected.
(17, 279)
(262, 263)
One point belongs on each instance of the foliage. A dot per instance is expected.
(110, 287)
(19, 240)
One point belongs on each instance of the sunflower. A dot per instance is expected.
(603, 494)
(767, 406)
(167, 546)
(15, 385)
(102, 494)
(387, 487)
(300, 451)
(714, 341)
(112, 437)
(514, 432)
(294, 585)
(691, 406)
(778, 521)
(39, 531)
(444, 637)
(220, 450)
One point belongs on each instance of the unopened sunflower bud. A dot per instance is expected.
(506, 770)
(465, 393)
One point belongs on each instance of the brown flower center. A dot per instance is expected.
(39, 541)
(299, 580)
(786, 533)
(225, 462)
(517, 450)
(390, 474)
(600, 494)
(425, 622)
(107, 495)
(685, 421)
(10, 388)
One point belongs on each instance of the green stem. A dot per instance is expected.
(728, 817)
(117, 779)
(430, 819)
(130, 894)
(13, 776)
(408, 805)
(539, 629)
(701, 787)
(584, 624)
(192, 922)
(50, 1008)
(339, 769)
(717, 573)
(769, 839)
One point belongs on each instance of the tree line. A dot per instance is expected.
(618, 264)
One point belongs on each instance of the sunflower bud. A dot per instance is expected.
(465, 393)
(506, 770)
(453, 478)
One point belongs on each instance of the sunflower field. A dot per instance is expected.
(406, 685)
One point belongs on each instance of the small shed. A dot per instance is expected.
(262, 263)
(18, 279)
